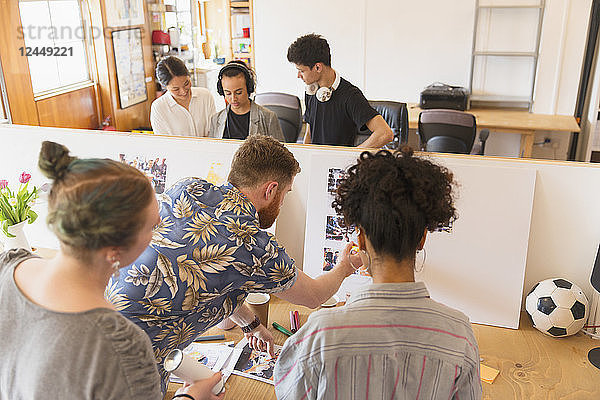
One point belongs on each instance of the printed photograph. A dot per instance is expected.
(362, 271)
(334, 177)
(333, 229)
(154, 168)
(256, 365)
(445, 228)
(329, 258)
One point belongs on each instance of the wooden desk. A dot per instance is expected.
(532, 366)
(511, 121)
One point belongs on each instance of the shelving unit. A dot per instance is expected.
(241, 30)
(178, 14)
(485, 57)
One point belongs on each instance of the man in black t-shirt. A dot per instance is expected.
(335, 109)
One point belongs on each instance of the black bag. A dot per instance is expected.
(440, 95)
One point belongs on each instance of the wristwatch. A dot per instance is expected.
(252, 325)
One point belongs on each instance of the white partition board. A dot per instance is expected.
(184, 156)
(565, 223)
(478, 267)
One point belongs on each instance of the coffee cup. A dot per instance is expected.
(259, 304)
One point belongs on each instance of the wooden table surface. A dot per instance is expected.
(532, 365)
(512, 121)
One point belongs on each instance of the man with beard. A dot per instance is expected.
(209, 252)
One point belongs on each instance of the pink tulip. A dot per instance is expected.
(25, 177)
(3, 183)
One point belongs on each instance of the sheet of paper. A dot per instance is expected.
(488, 374)
(213, 355)
(252, 364)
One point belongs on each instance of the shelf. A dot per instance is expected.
(516, 102)
(505, 53)
(240, 4)
(515, 6)
(499, 98)
(242, 55)
(161, 8)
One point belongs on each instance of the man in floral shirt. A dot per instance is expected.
(209, 251)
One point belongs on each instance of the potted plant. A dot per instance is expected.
(15, 211)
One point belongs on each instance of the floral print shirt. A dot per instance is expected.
(207, 253)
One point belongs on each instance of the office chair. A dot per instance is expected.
(450, 131)
(396, 116)
(288, 110)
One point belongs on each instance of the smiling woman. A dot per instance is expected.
(183, 110)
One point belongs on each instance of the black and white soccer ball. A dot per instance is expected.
(557, 307)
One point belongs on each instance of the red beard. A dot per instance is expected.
(268, 215)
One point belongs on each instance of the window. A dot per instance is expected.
(50, 27)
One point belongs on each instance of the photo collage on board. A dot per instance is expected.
(155, 169)
(336, 234)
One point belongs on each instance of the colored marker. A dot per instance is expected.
(282, 329)
(293, 325)
(297, 319)
(210, 337)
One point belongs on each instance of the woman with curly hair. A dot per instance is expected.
(391, 340)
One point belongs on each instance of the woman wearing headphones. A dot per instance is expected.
(242, 117)
(183, 110)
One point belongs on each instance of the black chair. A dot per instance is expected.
(450, 131)
(396, 116)
(288, 110)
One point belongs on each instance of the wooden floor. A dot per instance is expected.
(532, 365)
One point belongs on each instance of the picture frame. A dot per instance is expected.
(129, 65)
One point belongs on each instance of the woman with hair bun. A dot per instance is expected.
(391, 340)
(61, 339)
(183, 110)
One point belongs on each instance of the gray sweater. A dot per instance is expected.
(95, 354)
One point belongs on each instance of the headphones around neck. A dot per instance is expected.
(243, 69)
(323, 94)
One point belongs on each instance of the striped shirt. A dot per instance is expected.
(390, 341)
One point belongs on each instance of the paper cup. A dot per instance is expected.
(188, 369)
(259, 304)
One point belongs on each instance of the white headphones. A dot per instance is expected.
(323, 94)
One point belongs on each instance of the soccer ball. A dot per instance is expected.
(557, 307)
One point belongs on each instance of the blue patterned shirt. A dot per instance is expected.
(206, 255)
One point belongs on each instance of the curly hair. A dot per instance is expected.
(309, 50)
(393, 198)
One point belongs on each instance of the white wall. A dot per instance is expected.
(392, 49)
(278, 23)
